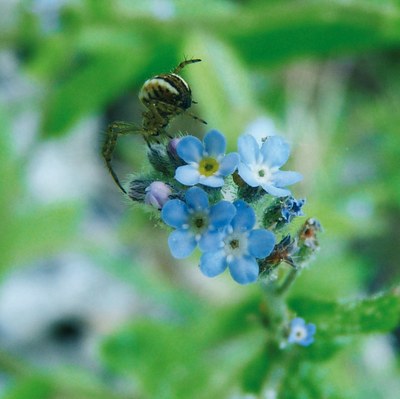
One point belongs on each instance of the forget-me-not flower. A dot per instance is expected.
(240, 247)
(301, 333)
(291, 208)
(259, 166)
(196, 222)
(207, 163)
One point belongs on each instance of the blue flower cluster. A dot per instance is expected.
(203, 204)
(236, 209)
(225, 232)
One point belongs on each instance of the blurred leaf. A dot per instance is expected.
(256, 370)
(41, 232)
(91, 87)
(306, 381)
(10, 186)
(325, 348)
(24, 381)
(30, 388)
(179, 353)
(377, 314)
(181, 301)
(28, 231)
(51, 386)
(273, 34)
(221, 85)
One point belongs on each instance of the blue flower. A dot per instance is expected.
(301, 333)
(259, 166)
(207, 163)
(196, 222)
(240, 247)
(291, 208)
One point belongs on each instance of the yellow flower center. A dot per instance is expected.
(208, 166)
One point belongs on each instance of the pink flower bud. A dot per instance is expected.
(157, 194)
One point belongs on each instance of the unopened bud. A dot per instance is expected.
(157, 194)
(173, 154)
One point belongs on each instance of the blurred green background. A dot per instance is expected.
(92, 305)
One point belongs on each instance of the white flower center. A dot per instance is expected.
(235, 245)
(262, 173)
(299, 333)
(198, 222)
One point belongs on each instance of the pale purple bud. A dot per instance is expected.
(157, 194)
(175, 159)
(173, 144)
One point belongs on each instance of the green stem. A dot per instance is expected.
(287, 283)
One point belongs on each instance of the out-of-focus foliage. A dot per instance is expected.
(327, 71)
(213, 344)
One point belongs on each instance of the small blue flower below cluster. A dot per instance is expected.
(240, 247)
(301, 333)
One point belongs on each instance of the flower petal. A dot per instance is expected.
(311, 328)
(285, 178)
(261, 128)
(244, 270)
(214, 143)
(221, 214)
(213, 263)
(211, 241)
(260, 243)
(306, 341)
(245, 217)
(196, 199)
(275, 151)
(190, 149)
(248, 149)
(181, 243)
(297, 322)
(277, 192)
(211, 181)
(174, 213)
(248, 175)
(187, 175)
(229, 163)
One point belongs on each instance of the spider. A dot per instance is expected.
(165, 96)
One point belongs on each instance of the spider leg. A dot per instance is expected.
(196, 118)
(170, 112)
(154, 124)
(184, 63)
(114, 130)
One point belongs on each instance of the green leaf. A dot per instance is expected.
(377, 314)
(10, 185)
(305, 381)
(274, 34)
(221, 85)
(30, 388)
(91, 87)
(28, 231)
(37, 233)
(256, 370)
(186, 354)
